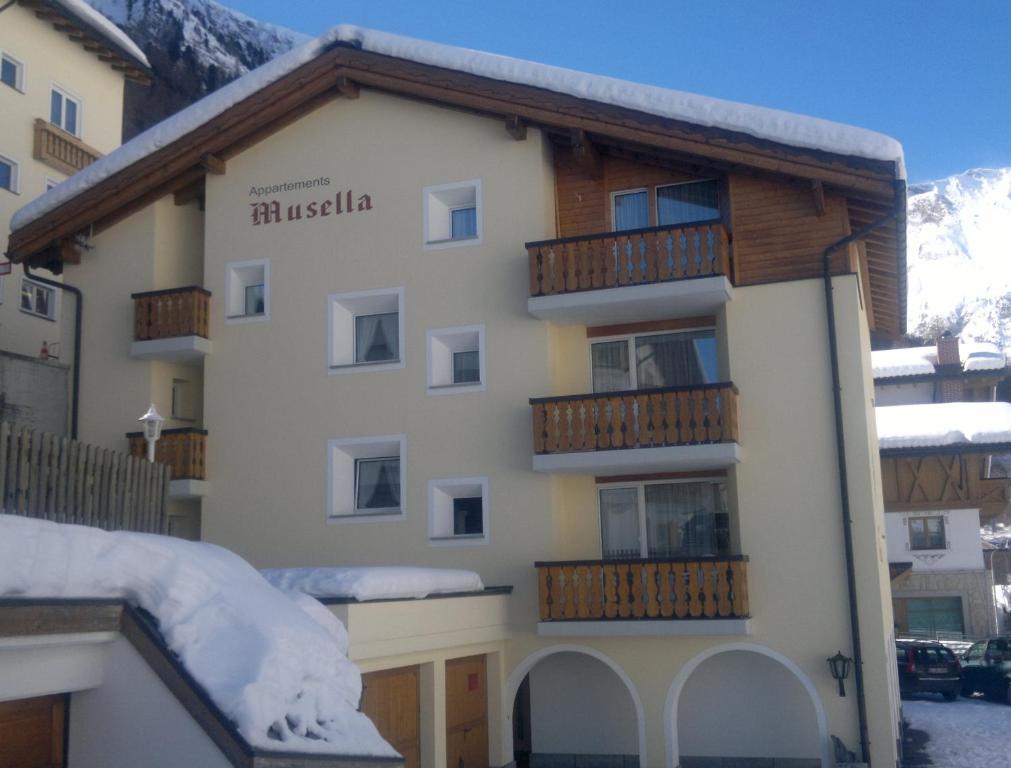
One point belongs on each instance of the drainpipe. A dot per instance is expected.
(844, 494)
(75, 387)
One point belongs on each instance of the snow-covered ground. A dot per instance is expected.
(966, 733)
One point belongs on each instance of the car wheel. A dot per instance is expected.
(952, 695)
(967, 690)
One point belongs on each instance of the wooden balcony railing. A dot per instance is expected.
(636, 419)
(675, 588)
(61, 150)
(185, 450)
(633, 257)
(172, 312)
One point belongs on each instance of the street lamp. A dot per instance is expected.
(152, 421)
(840, 666)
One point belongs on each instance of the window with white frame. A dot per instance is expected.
(456, 360)
(38, 299)
(366, 330)
(663, 519)
(12, 72)
(927, 532)
(674, 204)
(366, 478)
(65, 111)
(10, 173)
(452, 214)
(247, 290)
(650, 360)
(458, 511)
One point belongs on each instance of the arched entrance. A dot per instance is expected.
(575, 705)
(744, 701)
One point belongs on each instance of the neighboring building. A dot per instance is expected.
(320, 273)
(940, 427)
(63, 67)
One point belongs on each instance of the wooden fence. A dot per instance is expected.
(67, 481)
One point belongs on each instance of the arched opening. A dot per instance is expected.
(575, 709)
(745, 703)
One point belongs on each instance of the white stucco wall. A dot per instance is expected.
(961, 530)
(133, 720)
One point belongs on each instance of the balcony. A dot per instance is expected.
(657, 273)
(185, 451)
(171, 325)
(657, 430)
(61, 150)
(655, 596)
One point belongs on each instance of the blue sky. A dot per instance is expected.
(935, 75)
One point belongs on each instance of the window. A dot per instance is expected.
(687, 203)
(366, 478)
(366, 330)
(676, 204)
(38, 299)
(182, 400)
(926, 533)
(456, 360)
(9, 173)
(452, 214)
(64, 111)
(247, 291)
(458, 511)
(680, 358)
(12, 72)
(663, 519)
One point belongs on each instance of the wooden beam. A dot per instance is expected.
(194, 191)
(69, 252)
(347, 87)
(516, 127)
(585, 154)
(818, 191)
(213, 164)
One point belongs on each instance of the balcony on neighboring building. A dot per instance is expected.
(657, 273)
(185, 451)
(651, 596)
(669, 429)
(171, 325)
(61, 150)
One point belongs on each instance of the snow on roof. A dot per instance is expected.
(276, 669)
(84, 13)
(916, 361)
(939, 424)
(760, 122)
(374, 583)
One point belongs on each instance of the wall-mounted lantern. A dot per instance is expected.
(840, 666)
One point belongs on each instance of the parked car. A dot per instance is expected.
(986, 669)
(926, 666)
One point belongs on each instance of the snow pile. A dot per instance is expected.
(760, 122)
(916, 361)
(275, 669)
(84, 13)
(939, 424)
(374, 583)
(963, 734)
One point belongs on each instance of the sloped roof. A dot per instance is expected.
(922, 361)
(936, 425)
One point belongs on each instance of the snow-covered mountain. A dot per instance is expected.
(959, 252)
(194, 46)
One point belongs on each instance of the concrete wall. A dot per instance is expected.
(133, 719)
(961, 532)
(49, 57)
(578, 706)
(34, 393)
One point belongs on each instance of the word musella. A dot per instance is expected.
(271, 211)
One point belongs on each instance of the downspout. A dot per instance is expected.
(844, 494)
(75, 386)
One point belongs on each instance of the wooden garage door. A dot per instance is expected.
(31, 732)
(390, 699)
(467, 713)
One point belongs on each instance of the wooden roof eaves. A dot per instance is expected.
(232, 129)
(47, 616)
(86, 36)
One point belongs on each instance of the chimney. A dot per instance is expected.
(949, 365)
